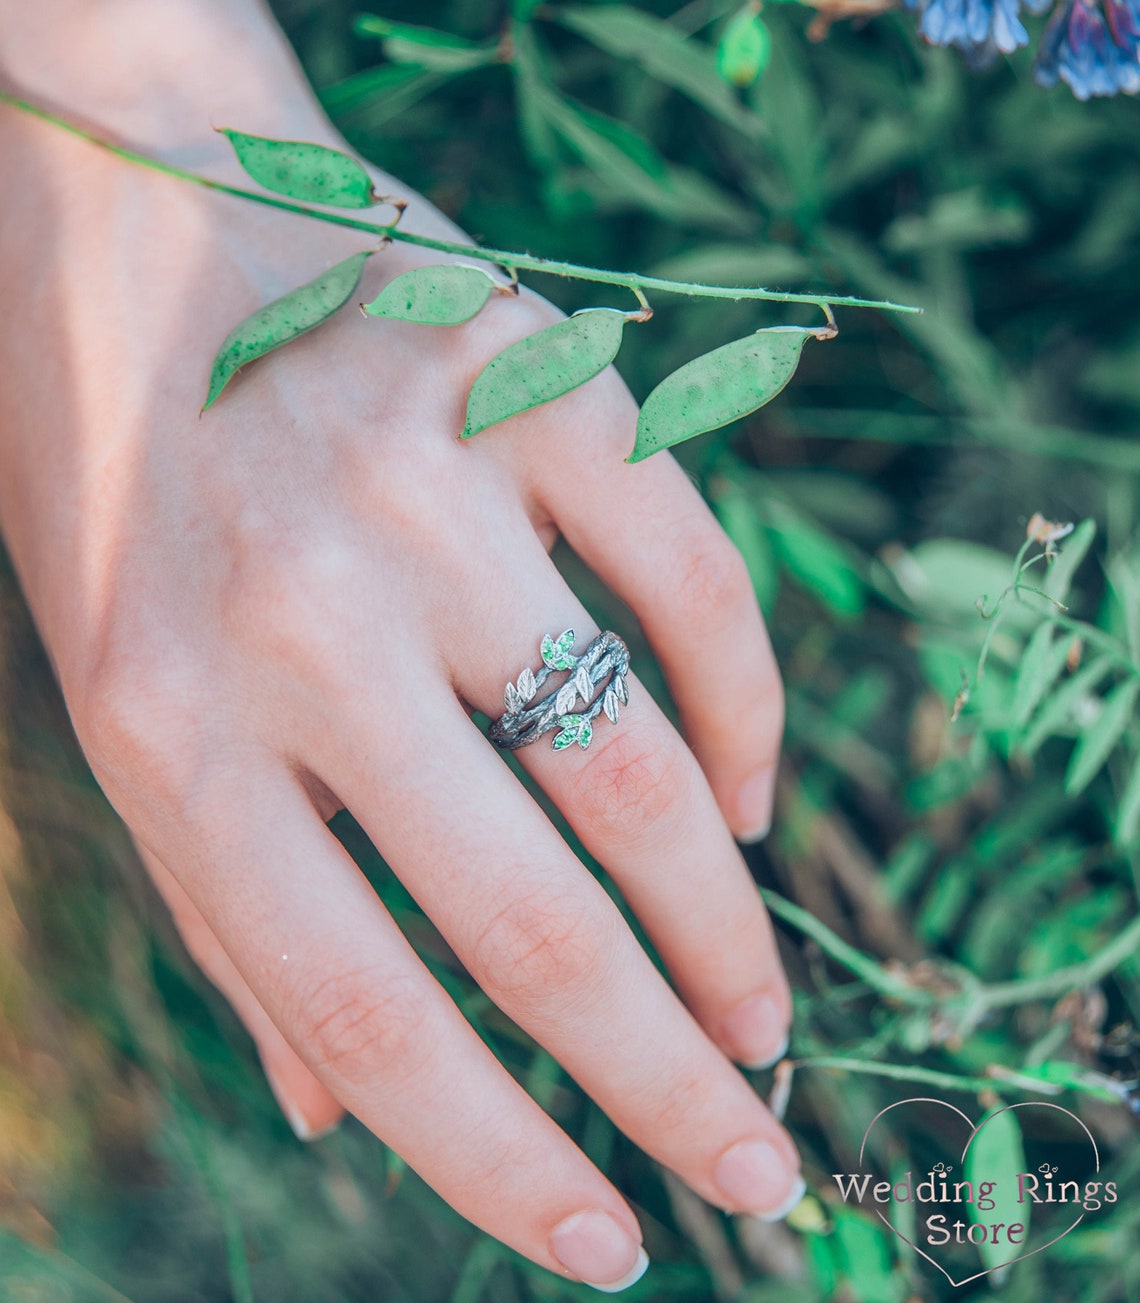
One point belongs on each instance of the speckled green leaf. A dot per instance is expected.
(313, 174)
(443, 294)
(718, 387)
(284, 319)
(544, 366)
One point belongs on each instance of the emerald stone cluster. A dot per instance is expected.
(596, 678)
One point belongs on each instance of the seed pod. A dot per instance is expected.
(444, 294)
(718, 387)
(283, 320)
(543, 366)
(310, 173)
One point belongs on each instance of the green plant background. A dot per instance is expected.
(141, 1155)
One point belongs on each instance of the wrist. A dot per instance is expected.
(160, 75)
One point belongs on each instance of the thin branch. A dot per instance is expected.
(874, 974)
(981, 997)
(512, 262)
(1125, 946)
(1010, 1081)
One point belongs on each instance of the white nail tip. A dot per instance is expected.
(755, 835)
(631, 1277)
(778, 1214)
(301, 1128)
(770, 1062)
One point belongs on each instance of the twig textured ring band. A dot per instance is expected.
(603, 665)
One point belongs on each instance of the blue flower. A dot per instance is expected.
(982, 28)
(1094, 51)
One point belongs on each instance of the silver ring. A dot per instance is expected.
(603, 665)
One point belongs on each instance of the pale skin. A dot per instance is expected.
(292, 605)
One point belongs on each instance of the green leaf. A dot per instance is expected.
(1072, 552)
(947, 577)
(816, 560)
(744, 49)
(743, 525)
(369, 87)
(443, 294)
(543, 366)
(718, 387)
(585, 734)
(1128, 809)
(996, 1156)
(603, 143)
(310, 173)
(427, 47)
(1056, 710)
(865, 1251)
(283, 320)
(1041, 663)
(627, 167)
(1096, 743)
(665, 53)
(566, 738)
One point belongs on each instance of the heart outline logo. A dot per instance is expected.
(975, 1128)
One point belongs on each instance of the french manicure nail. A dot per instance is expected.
(793, 1199)
(757, 1032)
(754, 805)
(755, 1178)
(592, 1246)
(303, 1129)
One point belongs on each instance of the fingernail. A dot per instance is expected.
(592, 1246)
(754, 805)
(792, 1201)
(303, 1129)
(755, 1177)
(757, 1031)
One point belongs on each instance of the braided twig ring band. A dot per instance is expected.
(604, 662)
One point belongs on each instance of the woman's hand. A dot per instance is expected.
(291, 605)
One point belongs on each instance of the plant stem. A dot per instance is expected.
(981, 998)
(928, 1076)
(1000, 995)
(858, 963)
(513, 262)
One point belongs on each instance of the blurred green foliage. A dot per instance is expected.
(879, 503)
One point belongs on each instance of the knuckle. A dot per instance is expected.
(544, 947)
(399, 486)
(139, 722)
(364, 1022)
(631, 782)
(714, 584)
(283, 588)
(672, 1105)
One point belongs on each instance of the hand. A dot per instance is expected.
(292, 604)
